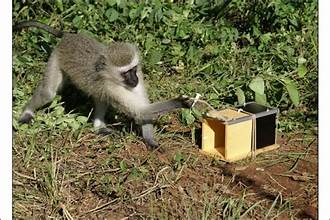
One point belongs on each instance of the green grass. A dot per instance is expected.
(264, 51)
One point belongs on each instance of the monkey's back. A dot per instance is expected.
(78, 56)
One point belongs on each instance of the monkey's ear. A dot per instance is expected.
(100, 63)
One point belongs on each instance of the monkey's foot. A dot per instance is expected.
(26, 118)
(103, 131)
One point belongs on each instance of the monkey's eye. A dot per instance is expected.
(124, 74)
(129, 72)
(133, 70)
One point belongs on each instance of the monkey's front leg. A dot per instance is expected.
(148, 135)
(158, 108)
(154, 110)
(99, 122)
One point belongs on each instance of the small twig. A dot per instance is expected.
(24, 176)
(17, 183)
(128, 217)
(295, 164)
(66, 212)
(302, 156)
(91, 172)
(180, 172)
(159, 172)
(276, 181)
(65, 140)
(297, 177)
(149, 156)
(150, 190)
(155, 186)
(98, 208)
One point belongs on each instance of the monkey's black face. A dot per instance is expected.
(130, 77)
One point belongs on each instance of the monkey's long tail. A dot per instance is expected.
(24, 24)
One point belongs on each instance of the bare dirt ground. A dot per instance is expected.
(85, 178)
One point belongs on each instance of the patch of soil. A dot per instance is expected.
(295, 178)
(96, 180)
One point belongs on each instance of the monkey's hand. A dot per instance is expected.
(103, 131)
(151, 144)
(147, 133)
(186, 101)
(26, 118)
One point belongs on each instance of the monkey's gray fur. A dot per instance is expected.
(110, 74)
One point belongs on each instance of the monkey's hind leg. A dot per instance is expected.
(46, 90)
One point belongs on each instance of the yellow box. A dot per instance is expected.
(228, 134)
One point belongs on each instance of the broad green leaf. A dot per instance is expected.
(15, 124)
(178, 157)
(166, 41)
(145, 12)
(82, 119)
(64, 125)
(59, 110)
(149, 42)
(18, 93)
(266, 37)
(292, 90)
(260, 99)
(111, 2)
(257, 85)
(196, 113)
(132, 13)
(256, 31)
(24, 127)
(123, 166)
(302, 70)
(134, 172)
(288, 49)
(74, 125)
(121, 3)
(186, 13)
(60, 120)
(59, 4)
(77, 21)
(240, 96)
(301, 60)
(111, 14)
(155, 56)
(87, 32)
(187, 116)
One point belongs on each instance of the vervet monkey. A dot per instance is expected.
(110, 74)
